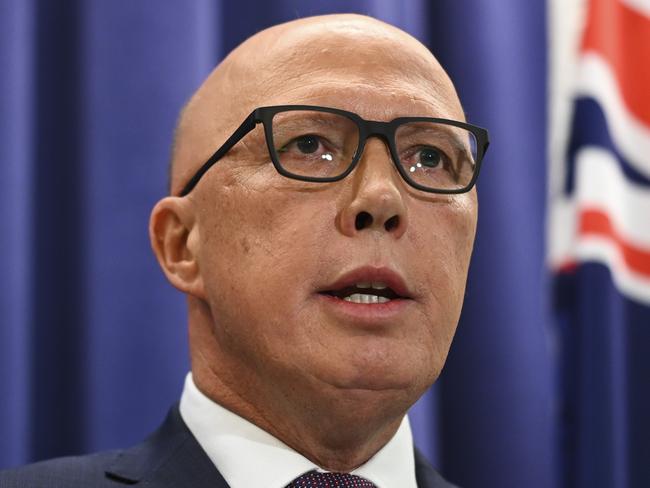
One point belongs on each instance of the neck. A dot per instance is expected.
(337, 429)
(337, 439)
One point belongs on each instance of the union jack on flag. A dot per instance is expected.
(599, 236)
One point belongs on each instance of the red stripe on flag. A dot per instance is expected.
(567, 267)
(596, 222)
(622, 36)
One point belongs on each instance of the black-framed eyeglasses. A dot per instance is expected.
(322, 144)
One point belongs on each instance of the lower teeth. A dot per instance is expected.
(363, 298)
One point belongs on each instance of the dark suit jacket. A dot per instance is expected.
(170, 457)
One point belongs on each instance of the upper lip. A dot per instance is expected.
(371, 274)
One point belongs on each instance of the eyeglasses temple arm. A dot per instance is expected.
(246, 126)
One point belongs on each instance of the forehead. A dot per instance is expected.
(376, 71)
(370, 101)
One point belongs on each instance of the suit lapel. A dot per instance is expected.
(171, 457)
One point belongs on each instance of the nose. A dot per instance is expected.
(376, 202)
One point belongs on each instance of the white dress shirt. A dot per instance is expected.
(247, 456)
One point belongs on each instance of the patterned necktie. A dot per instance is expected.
(314, 479)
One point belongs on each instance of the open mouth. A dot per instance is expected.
(369, 285)
(370, 293)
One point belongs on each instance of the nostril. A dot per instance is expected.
(363, 220)
(391, 223)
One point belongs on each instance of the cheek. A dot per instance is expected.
(255, 244)
(461, 219)
(444, 235)
(445, 231)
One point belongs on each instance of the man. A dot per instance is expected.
(323, 249)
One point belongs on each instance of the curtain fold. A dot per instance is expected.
(16, 42)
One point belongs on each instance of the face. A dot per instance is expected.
(277, 256)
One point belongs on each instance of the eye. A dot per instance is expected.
(429, 157)
(427, 161)
(307, 144)
(308, 148)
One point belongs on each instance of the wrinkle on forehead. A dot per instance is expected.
(300, 60)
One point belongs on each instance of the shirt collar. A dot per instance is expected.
(246, 455)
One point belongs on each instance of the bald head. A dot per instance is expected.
(298, 61)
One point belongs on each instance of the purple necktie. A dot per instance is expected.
(314, 479)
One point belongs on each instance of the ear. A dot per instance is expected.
(174, 236)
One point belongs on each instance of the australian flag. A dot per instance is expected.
(599, 237)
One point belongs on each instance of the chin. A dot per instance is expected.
(392, 365)
(387, 378)
(374, 397)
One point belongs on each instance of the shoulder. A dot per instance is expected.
(68, 472)
(170, 457)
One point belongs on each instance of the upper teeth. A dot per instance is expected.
(376, 285)
(363, 298)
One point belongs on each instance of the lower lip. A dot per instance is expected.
(369, 312)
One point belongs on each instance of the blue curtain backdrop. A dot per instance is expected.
(92, 338)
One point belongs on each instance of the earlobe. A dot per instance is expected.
(173, 232)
